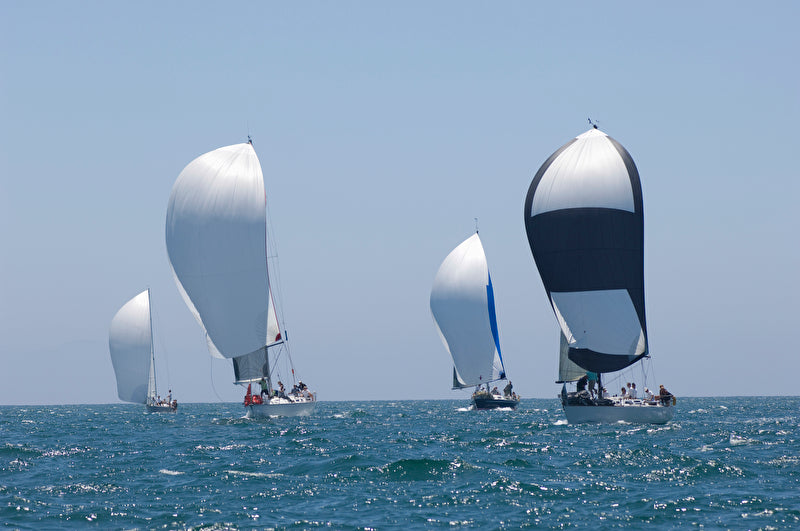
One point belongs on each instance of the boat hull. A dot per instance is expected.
(283, 409)
(633, 413)
(494, 403)
(161, 409)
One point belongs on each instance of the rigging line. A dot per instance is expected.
(211, 377)
(274, 272)
(155, 316)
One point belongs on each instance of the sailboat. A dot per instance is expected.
(462, 305)
(130, 342)
(585, 226)
(216, 235)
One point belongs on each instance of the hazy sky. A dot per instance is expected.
(383, 130)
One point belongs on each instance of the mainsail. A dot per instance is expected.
(568, 370)
(462, 304)
(216, 235)
(584, 220)
(130, 343)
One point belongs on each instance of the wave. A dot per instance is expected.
(420, 469)
(736, 440)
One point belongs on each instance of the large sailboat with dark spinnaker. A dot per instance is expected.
(585, 226)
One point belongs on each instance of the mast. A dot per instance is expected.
(151, 384)
(268, 370)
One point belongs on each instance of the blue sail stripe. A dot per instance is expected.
(493, 319)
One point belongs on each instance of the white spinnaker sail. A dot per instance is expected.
(130, 342)
(460, 304)
(216, 242)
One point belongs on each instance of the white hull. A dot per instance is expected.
(161, 409)
(639, 413)
(280, 409)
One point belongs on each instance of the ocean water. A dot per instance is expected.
(721, 463)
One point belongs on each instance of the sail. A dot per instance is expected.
(130, 343)
(274, 336)
(255, 365)
(568, 370)
(216, 243)
(585, 226)
(462, 304)
(251, 367)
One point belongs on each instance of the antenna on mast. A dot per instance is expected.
(593, 123)
(476, 225)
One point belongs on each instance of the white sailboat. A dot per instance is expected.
(585, 226)
(216, 234)
(130, 343)
(462, 305)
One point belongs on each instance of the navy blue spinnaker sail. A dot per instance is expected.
(585, 227)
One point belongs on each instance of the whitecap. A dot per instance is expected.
(736, 440)
(252, 474)
(170, 472)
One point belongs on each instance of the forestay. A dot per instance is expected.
(584, 221)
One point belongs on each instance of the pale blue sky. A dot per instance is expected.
(383, 130)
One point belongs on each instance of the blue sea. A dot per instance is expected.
(721, 463)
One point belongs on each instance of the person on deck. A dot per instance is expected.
(507, 389)
(582, 383)
(264, 387)
(592, 376)
(633, 391)
(664, 395)
(281, 390)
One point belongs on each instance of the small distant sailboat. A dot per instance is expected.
(585, 226)
(216, 234)
(462, 304)
(130, 342)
